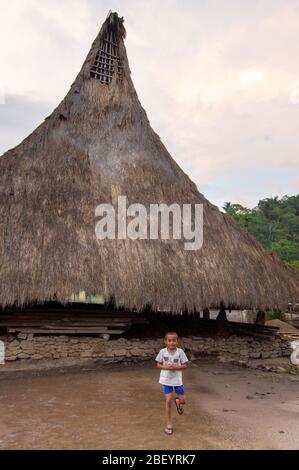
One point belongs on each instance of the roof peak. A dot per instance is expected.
(115, 23)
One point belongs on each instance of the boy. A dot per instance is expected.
(172, 360)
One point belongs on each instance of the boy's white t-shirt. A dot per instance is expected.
(171, 377)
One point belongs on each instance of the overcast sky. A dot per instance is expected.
(219, 80)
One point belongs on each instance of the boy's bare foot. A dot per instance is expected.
(168, 430)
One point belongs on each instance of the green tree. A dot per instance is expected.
(274, 222)
(287, 250)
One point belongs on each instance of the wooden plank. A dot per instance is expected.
(91, 312)
(71, 313)
(64, 317)
(63, 323)
(54, 326)
(79, 325)
(71, 327)
(64, 331)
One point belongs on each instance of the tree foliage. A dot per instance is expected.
(274, 222)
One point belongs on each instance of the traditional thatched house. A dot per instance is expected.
(96, 146)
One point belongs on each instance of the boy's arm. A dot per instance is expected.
(160, 365)
(182, 366)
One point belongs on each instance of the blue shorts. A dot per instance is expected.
(178, 390)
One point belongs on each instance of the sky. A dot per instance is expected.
(219, 80)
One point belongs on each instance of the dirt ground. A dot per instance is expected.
(122, 407)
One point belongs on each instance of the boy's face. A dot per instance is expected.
(171, 341)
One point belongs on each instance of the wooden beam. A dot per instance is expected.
(67, 331)
(260, 318)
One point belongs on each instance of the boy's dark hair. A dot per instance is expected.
(171, 333)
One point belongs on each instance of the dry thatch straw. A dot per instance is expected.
(95, 146)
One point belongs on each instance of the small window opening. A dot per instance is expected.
(107, 60)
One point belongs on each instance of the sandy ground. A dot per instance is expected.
(123, 408)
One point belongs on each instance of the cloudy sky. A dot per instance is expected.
(219, 80)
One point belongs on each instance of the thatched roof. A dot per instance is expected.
(97, 145)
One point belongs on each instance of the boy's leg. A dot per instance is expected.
(182, 399)
(180, 395)
(168, 398)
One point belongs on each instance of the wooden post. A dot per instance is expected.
(260, 318)
(221, 320)
(206, 313)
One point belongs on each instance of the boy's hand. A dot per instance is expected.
(176, 367)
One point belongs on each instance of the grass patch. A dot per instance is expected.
(294, 372)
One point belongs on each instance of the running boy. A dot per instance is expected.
(172, 360)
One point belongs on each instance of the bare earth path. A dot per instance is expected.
(123, 408)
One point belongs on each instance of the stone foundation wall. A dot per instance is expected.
(27, 347)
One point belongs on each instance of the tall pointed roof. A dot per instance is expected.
(96, 146)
